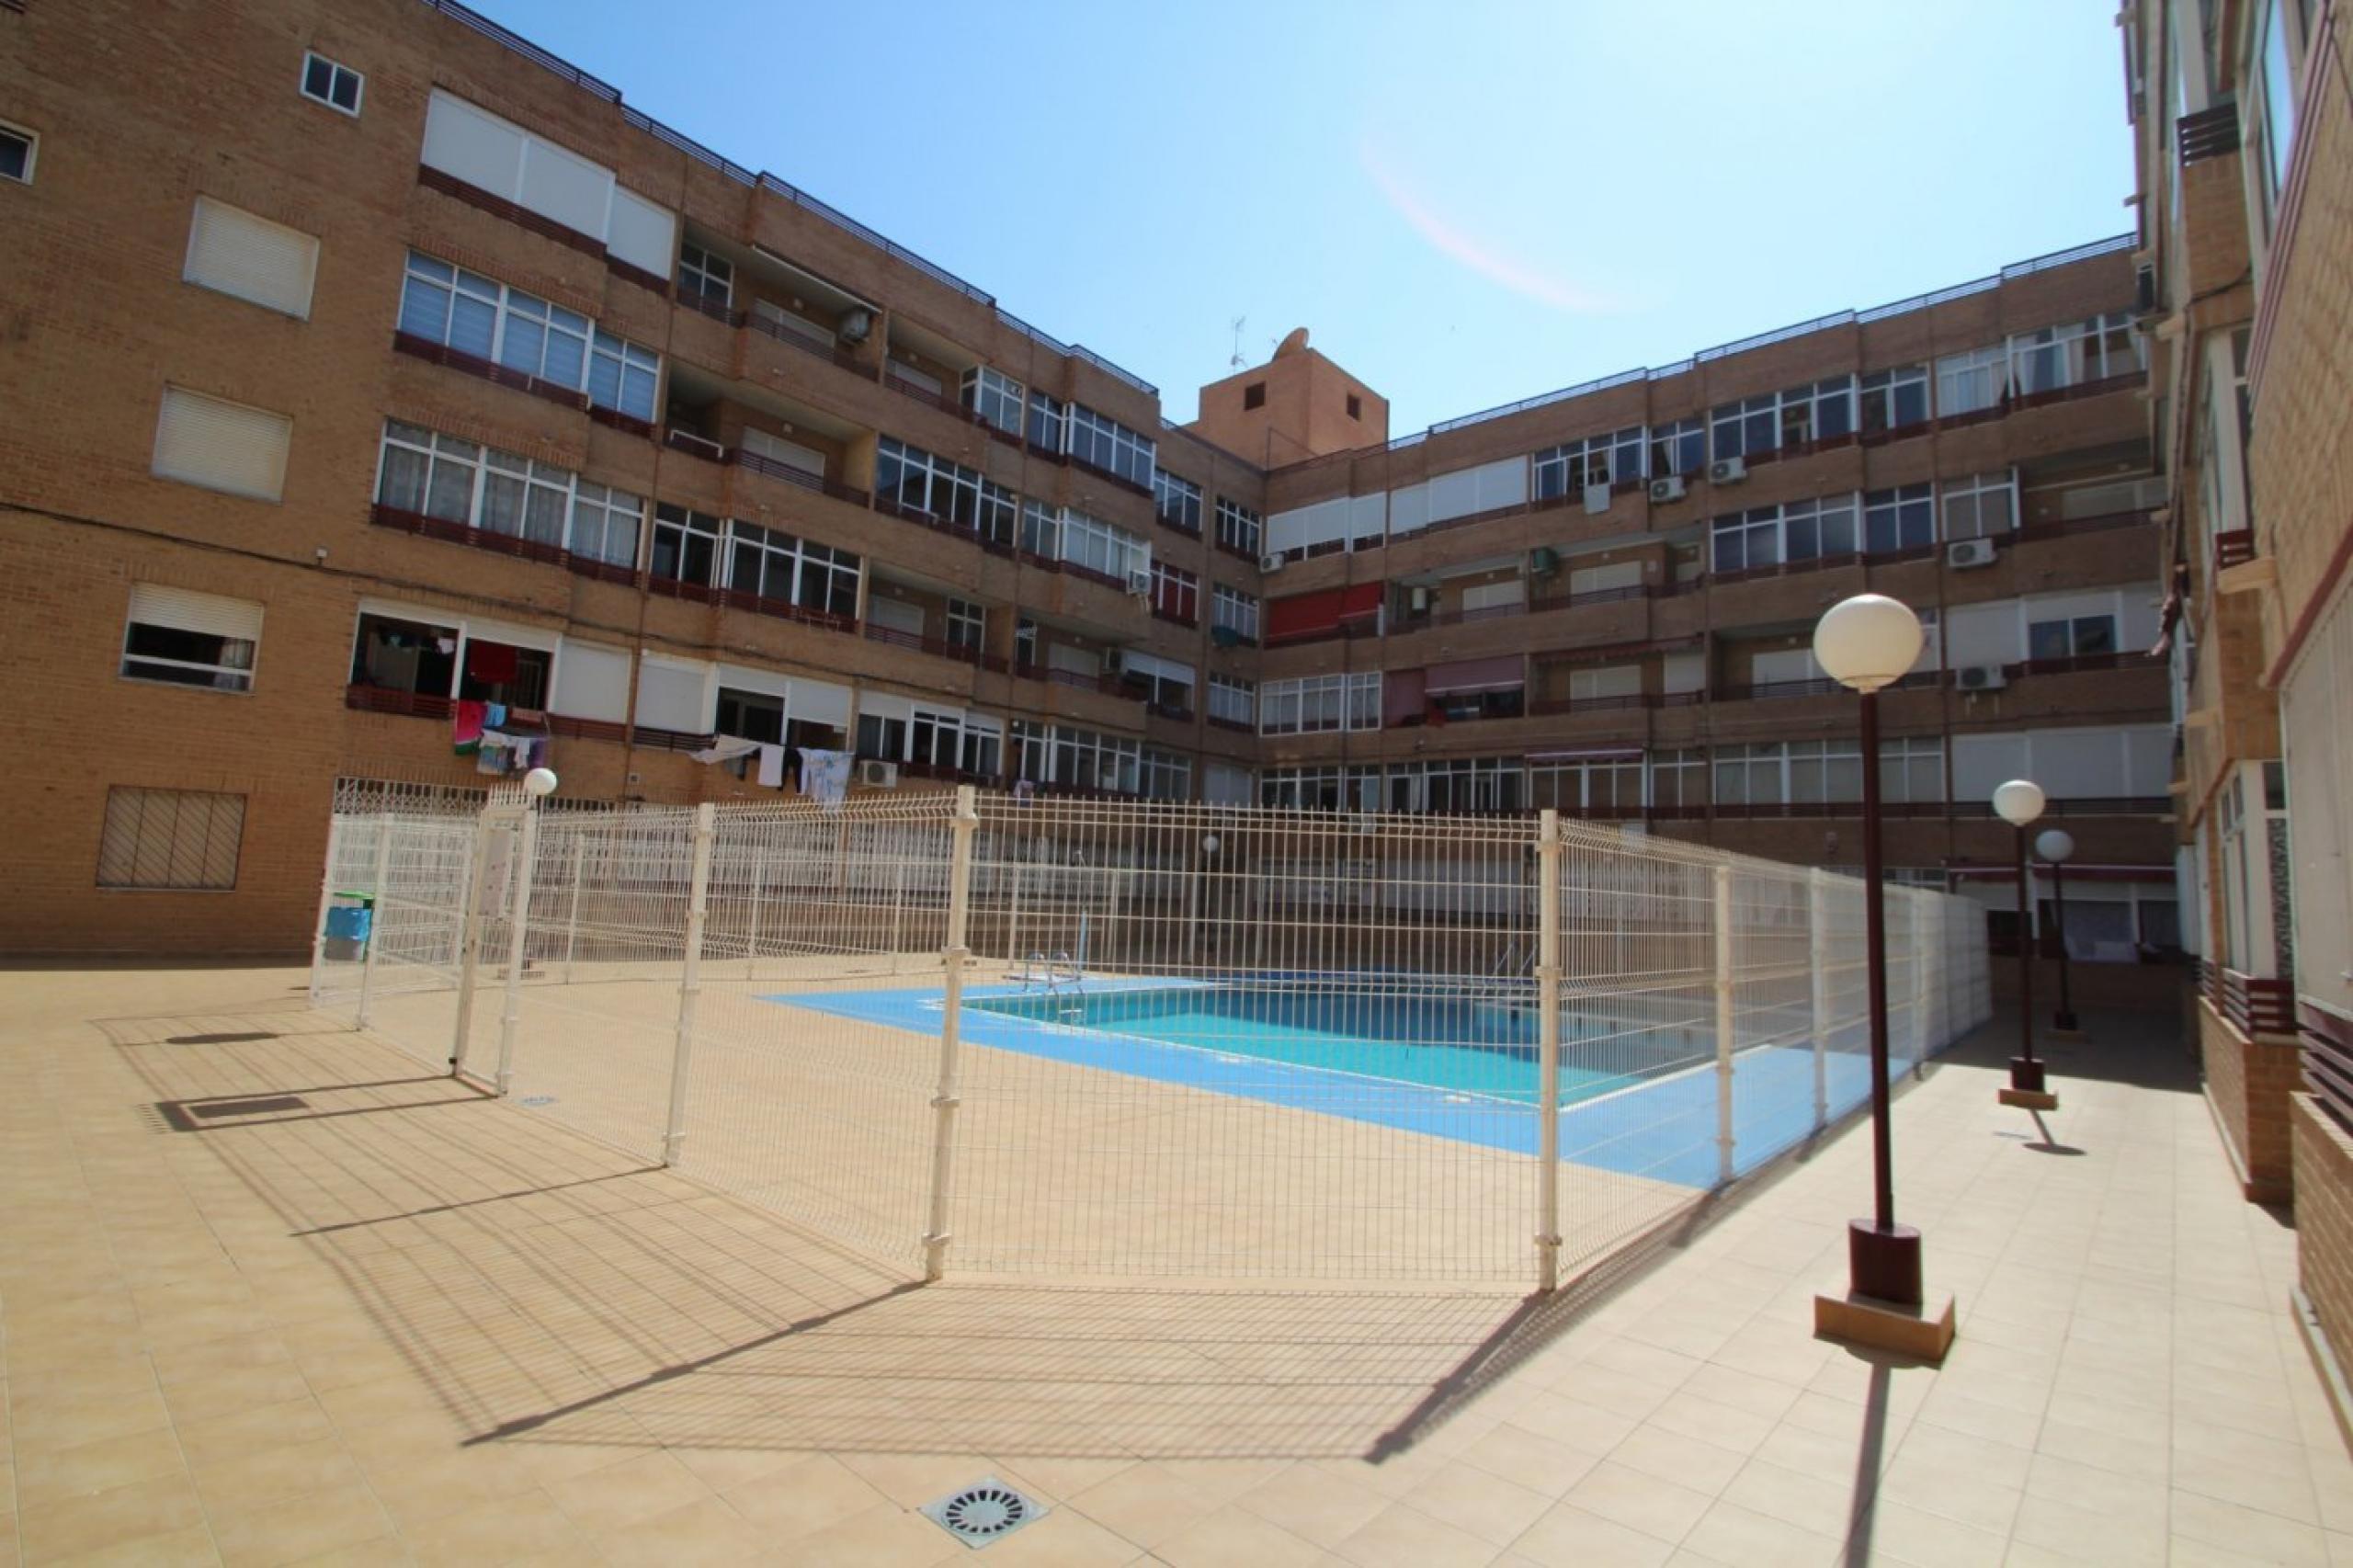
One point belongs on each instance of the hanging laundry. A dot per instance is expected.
(492, 754)
(494, 716)
(537, 754)
(771, 768)
(724, 748)
(490, 661)
(467, 725)
(825, 776)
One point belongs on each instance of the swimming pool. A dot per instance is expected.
(1473, 1040)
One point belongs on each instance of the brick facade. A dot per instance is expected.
(2249, 1083)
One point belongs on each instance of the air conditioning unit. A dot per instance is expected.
(1666, 488)
(1270, 564)
(1966, 552)
(1596, 499)
(855, 324)
(1225, 636)
(1543, 561)
(1727, 470)
(876, 773)
(1981, 677)
(1418, 600)
(1140, 584)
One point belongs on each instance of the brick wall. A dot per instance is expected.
(2324, 1220)
(2249, 1083)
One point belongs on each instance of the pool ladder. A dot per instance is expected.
(1051, 974)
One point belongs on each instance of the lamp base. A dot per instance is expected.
(2027, 1099)
(2026, 1073)
(1883, 1264)
(1923, 1332)
(2065, 1026)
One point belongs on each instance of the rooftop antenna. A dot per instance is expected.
(1238, 322)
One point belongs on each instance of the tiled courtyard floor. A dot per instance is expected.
(270, 1294)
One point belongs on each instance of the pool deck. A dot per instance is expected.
(408, 1324)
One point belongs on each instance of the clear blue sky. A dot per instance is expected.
(1466, 203)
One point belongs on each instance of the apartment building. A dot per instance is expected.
(2243, 130)
(384, 376)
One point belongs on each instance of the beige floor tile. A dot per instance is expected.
(817, 1491)
(273, 1475)
(2267, 1537)
(704, 1533)
(298, 1527)
(97, 1521)
(1540, 1464)
(605, 1500)
(220, 1438)
(1314, 1503)
(502, 1530)
(1895, 1531)
(2093, 1535)
(1478, 1502)
(1566, 1536)
(1671, 1456)
(1233, 1536)
(1402, 1536)
(52, 1475)
(1822, 1503)
(1730, 1533)
(883, 1537)
(189, 1548)
(1641, 1502)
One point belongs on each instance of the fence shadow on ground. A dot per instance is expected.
(549, 1289)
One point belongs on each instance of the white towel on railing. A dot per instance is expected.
(771, 766)
(825, 776)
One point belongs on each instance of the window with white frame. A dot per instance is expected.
(331, 83)
(949, 738)
(1894, 400)
(778, 565)
(426, 472)
(1679, 447)
(17, 147)
(1611, 785)
(1677, 779)
(1746, 539)
(1096, 546)
(1048, 426)
(1166, 774)
(996, 397)
(1236, 611)
(1568, 469)
(246, 257)
(1084, 760)
(1104, 443)
(2274, 59)
(1309, 704)
(1233, 702)
(1321, 789)
(483, 318)
(219, 445)
(1459, 784)
(1912, 770)
(1967, 383)
(916, 480)
(1824, 526)
(967, 624)
(1176, 502)
(1239, 528)
(1812, 412)
(1903, 517)
(1982, 506)
(705, 275)
(686, 545)
(184, 638)
(605, 523)
(1042, 530)
(2074, 353)
(1779, 772)
(179, 840)
(2071, 637)
(1176, 594)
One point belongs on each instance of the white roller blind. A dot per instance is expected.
(1454, 494)
(1982, 634)
(475, 146)
(642, 232)
(1077, 661)
(1369, 517)
(221, 446)
(1226, 785)
(1502, 483)
(565, 187)
(1409, 508)
(672, 696)
(791, 454)
(184, 609)
(883, 705)
(1304, 526)
(2148, 760)
(1610, 680)
(1981, 763)
(1793, 664)
(2067, 607)
(235, 253)
(818, 702)
(895, 615)
(591, 682)
(1599, 579)
(1683, 671)
(2077, 764)
(1493, 596)
(743, 678)
(1164, 669)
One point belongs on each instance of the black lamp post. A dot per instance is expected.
(1864, 643)
(2055, 845)
(2018, 802)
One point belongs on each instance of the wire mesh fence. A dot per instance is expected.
(1002, 1034)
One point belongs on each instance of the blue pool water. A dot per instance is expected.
(1480, 1042)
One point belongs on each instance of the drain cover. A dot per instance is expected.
(985, 1511)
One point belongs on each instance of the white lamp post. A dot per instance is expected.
(2019, 802)
(1864, 643)
(2055, 845)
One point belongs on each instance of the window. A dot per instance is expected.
(1462, 784)
(1165, 775)
(1816, 529)
(174, 839)
(502, 671)
(1233, 702)
(1894, 400)
(1321, 789)
(1748, 539)
(996, 397)
(916, 480)
(1679, 778)
(1239, 528)
(686, 545)
(704, 274)
(426, 472)
(1254, 395)
(1903, 517)
(190, 639)
(1315, 703)
(247, 257)
(1048, 423)
(17, 149)
(1602, 785)
(1815, 411)
(1566, 469)
(1175, 594)
(967, 624)
(1176, 502)
(414, 657)
(777, 565)
(1786, 772)
(1981, 506)
(1234, 611)
(483, 318)
(337, 86)
(2272, 54)
(1096, 546)
(605, 524)
(221, 446)
(752, 715)
(1112, 447)
(2074, 353)
(963, 742)
(1356, 406)
(1081, 759)
(2072, 637)
(1912, 770)
(1967, 383)
(1678, 449)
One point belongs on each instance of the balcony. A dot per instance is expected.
(443, 709)
(1630, 702)
(938, 647)
(433, 353)
(2234, 548)
(2253, 1005)
(836, 354)
(521, 549)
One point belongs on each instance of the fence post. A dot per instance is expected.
(571, 915)
(1723, 1024)
(469, 943)
(898, 901)
(943, 1099)
(690, 985)
(1918, 925)
(1549, 850)
(526, 851)
(326, 899)
(376, 913)
(752, 939)
(1818, 943)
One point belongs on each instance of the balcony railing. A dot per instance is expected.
(489, 371)
(2208, 133)
(703, 305)
(743, 458)
(2328, 1059)
(500, 544)
(1176, 713)
(2234, 548)
(2253, 1005)
(835, 352)
(1108, 685)
(962, 653)
(694, 446)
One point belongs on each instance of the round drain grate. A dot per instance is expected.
(982, 1512)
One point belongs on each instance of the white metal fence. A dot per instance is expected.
(1093, 1038)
